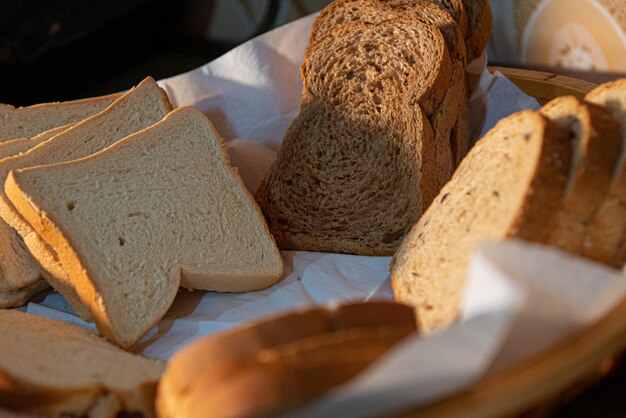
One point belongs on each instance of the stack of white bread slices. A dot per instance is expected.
(125, 206)
(556, 176)
(382, 123)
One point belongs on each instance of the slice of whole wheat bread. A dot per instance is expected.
(26, 122)
(139, 108)
(509, 185)
(596, 141)
(377, 11)
(606, 233)
(328, 72)
(349, 182)
(56, 369)
(157, 209)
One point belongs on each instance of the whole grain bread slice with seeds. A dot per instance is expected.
(596, 141)
(606, 233)
(509, 185)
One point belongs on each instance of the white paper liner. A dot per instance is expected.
(252, 94)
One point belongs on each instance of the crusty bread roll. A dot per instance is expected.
(279, 363)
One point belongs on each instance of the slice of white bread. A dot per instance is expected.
(279, 363)
(17, 265)
(19, 145)
(606, 233)
(509, 185)
(139, 108)
(52, 368)
(157, 209)
(596, 141)
(26, 122)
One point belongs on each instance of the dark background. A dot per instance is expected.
(62, 50)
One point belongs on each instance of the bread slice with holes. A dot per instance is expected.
(139, 108)
(596, 141)
(158, 209)
(606, 233)
(27, 122)
(51, 368)
(509, 185)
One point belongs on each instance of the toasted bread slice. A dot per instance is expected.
(141, 107)
(160, 208)
(606, 233)
(596, 141)
(56, 369)
(27, 122)
(509, 185)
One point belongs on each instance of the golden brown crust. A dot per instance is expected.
(279, 363)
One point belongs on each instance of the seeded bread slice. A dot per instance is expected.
(26, 122)
(509, 185)
(607, 230)
(341, 64)
(160, 208)
(596, 141)
(52, 368)
(141, 107)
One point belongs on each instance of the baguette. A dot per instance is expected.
(280, 363)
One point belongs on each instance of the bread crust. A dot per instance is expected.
(281, 362)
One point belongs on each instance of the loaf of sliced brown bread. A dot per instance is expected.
(26, 122)
(51, 368)
(509, 185)
(376, 11)
(606, 233)
(328, 73)
(596, 141)
(158, 209)
(139, 108)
